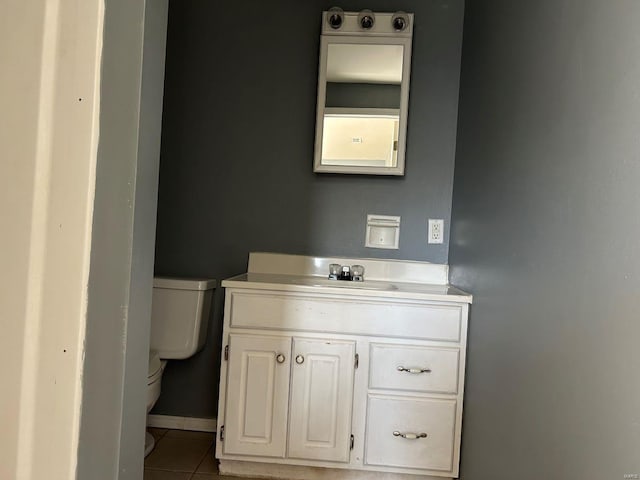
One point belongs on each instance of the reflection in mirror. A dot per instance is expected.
(362, 105)
(362, 101)
(366, 138)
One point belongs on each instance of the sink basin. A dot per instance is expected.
(364, 285)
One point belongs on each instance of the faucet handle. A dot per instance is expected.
(334, 270)
(357, 272)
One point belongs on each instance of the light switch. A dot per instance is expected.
(383, 231)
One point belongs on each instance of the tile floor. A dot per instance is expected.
(181, 455)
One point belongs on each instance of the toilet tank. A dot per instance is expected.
(179, 315)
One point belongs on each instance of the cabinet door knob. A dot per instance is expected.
(410, 436)
(299, 359)
(400, 368)
(280, 358)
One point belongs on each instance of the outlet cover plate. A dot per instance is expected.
(435, 232)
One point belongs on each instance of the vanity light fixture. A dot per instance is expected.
(399, 21)
(366, 19)
(335, 17)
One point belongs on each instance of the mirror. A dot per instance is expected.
(363, 91)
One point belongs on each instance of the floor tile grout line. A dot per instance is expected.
(165, 469)
(160, 437)
(187, 470)
(210, 449)
(190, 473)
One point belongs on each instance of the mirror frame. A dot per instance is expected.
(350, 34)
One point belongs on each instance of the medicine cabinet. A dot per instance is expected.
(363, 92)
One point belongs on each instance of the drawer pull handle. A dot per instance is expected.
(280, 358)
(413, 369)
(299, 359)
(410, 436)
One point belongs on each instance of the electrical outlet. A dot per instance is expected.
(436, 230)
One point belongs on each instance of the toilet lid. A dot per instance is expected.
(154, 364)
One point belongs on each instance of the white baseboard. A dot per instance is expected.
(182, 423)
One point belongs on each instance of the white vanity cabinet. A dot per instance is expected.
(264, 371)
(346, 377)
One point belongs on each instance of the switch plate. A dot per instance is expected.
(435, 231)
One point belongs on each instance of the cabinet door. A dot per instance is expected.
(321, 399)
(257, 395)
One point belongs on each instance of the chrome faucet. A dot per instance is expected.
(345, 272)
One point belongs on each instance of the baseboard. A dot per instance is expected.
(182, 423)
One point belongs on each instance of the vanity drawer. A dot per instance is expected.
(391, 318)
(390, 416)
(414, 368)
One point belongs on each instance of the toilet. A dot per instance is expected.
(179, 315)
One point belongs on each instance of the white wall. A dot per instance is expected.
(50, 55)
(78, 217)
(19, 101)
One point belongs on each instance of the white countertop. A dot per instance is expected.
(368, 288)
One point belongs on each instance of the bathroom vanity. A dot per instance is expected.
(365, 378)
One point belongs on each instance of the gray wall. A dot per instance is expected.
(120, 282)
(545, 234)
(237, 153)
(134, 416)
(362, 95)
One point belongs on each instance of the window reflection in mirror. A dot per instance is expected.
(365, 138)
(362, 104)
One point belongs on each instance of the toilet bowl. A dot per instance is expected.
(179, 315)
(154, 380)
(156, 369)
